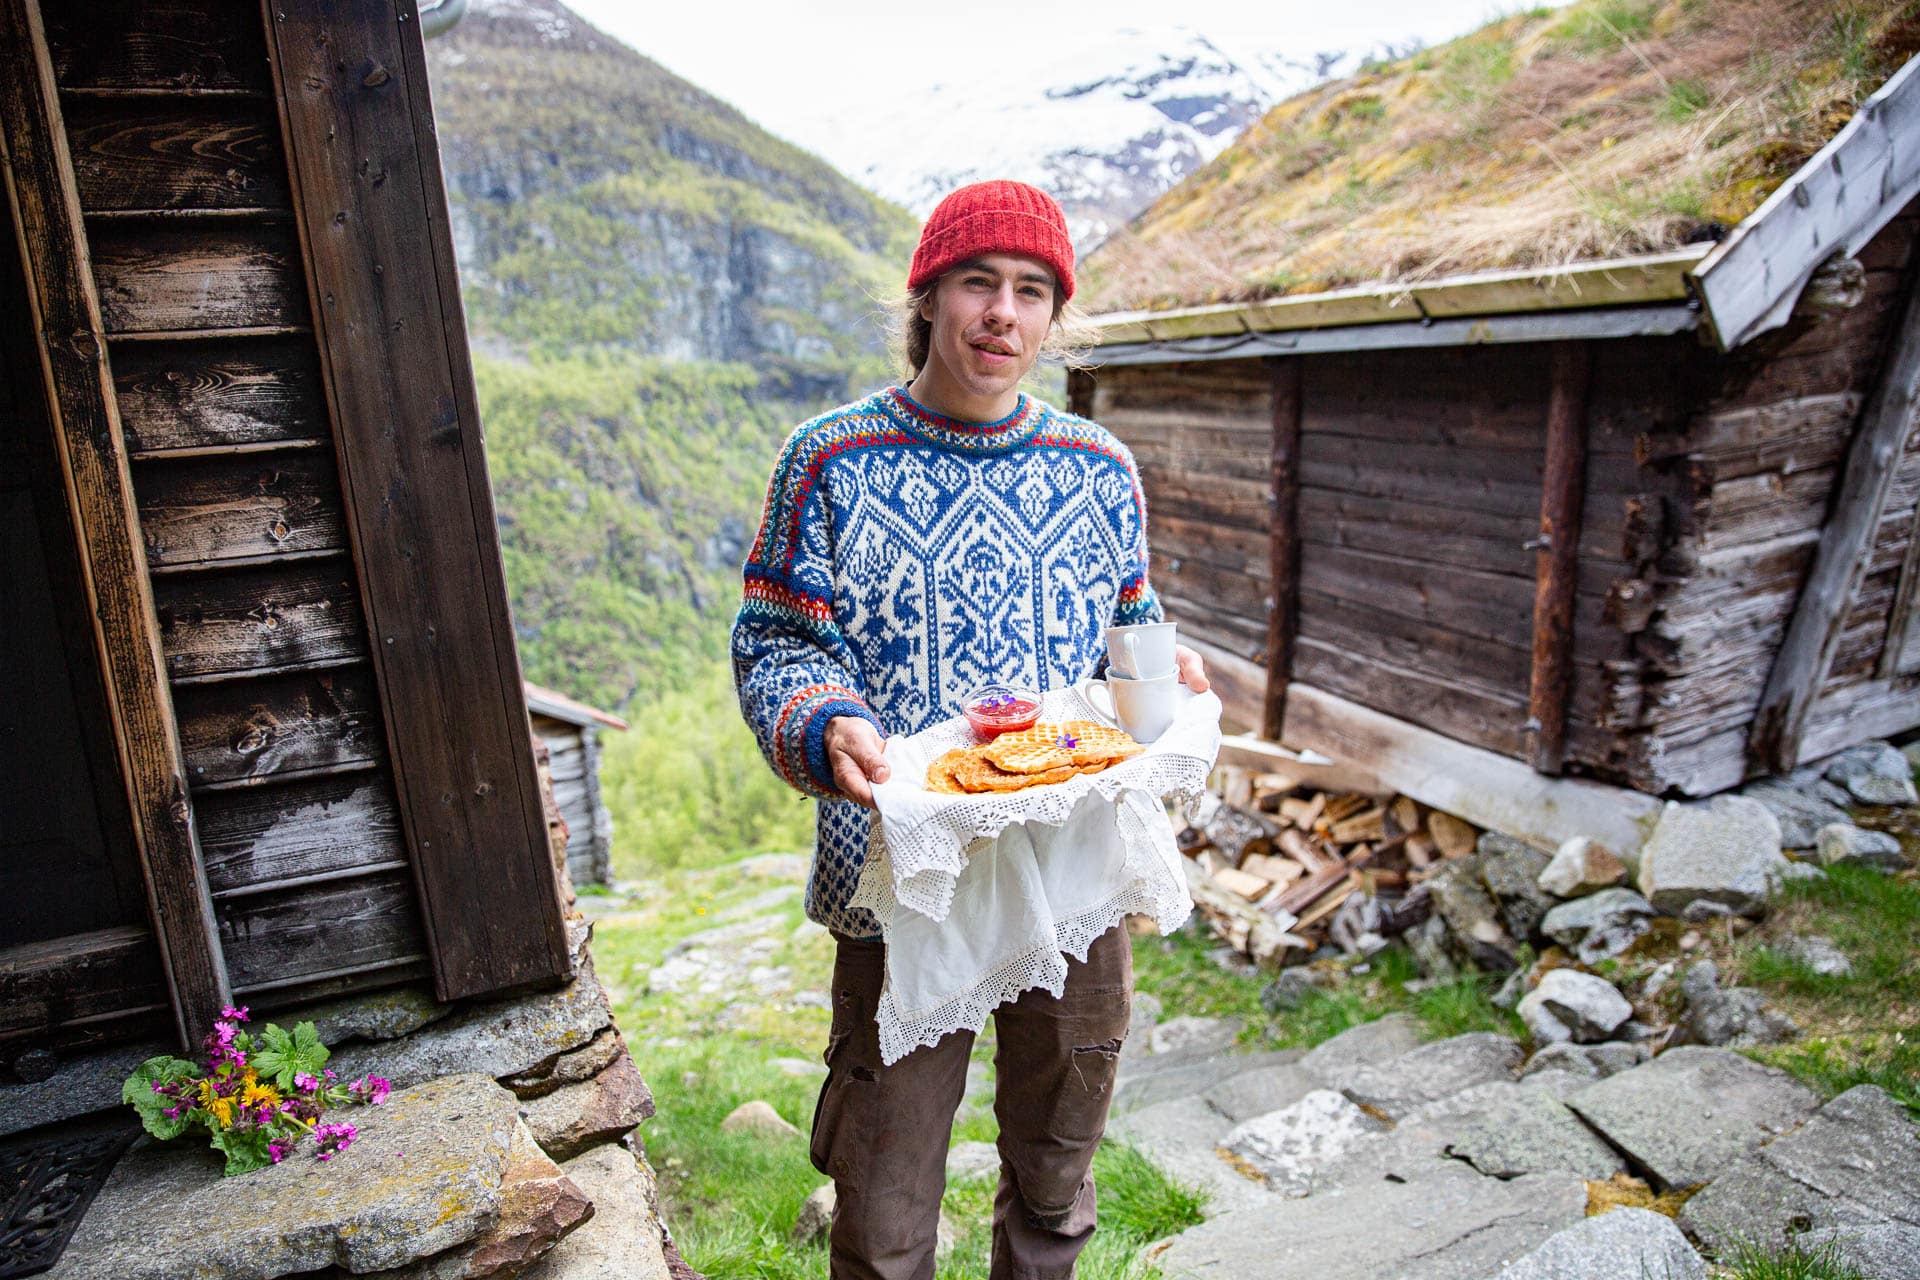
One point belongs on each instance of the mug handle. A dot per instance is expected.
(1086, 690)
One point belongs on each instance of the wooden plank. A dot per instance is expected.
(66, 313)
(1556, 562)
(1806, 655)
(52, 992)
(256, 728)
(358, 122)
(1493, 606)
(201, 395)
(203, 511)
(1462, 712)
(189, 154)
(1240, 684)
(1437, 533)
(1283, 608)
(1901, 655)
(176, 44)
(258, 835)
(276, 939)
(256, 619)
(169, 277)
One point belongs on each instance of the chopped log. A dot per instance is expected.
(1404, 815)
(1266, 938)
(1271, 869)
(1234, 833)
(1302, 895)
(1240, 882)
(1344, 806)
(1304, 813)
(1456, 839)
(1190, 840)
(1328, 904)
(1266, 783)
(1301, 848)
(1371, 825)
(1420, 849)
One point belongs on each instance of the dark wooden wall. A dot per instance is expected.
(574, 767)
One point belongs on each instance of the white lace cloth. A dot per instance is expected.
(978, 896)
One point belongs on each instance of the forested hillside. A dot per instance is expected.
(657, 291)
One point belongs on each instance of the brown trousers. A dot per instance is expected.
(881, 1132)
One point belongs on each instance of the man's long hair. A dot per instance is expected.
(1069, 339)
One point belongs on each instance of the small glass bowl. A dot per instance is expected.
(994, 709)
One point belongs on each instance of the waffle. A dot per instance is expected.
(1030, 758)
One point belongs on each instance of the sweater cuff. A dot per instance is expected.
(815, 736)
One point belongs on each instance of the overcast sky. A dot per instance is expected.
(783, 63)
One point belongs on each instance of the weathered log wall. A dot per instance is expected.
(574, 766)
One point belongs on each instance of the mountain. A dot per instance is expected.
(657, 290)
(1107, 126)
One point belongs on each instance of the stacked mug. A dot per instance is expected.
(1141, 690)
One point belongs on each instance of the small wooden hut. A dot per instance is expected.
(1647, 522)
(263, 732)
(571, 732)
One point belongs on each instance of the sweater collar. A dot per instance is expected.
(968, 437)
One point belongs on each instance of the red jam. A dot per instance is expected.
(994, 711)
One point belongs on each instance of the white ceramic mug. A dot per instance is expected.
(1144, 708)
(1142, 652)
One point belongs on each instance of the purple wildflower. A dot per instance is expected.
(159, 1087)
(304, 1082)
(276, 1152)
(237, 1013)
(1066, 741)
(371, 1089)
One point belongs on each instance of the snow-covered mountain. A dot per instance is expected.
(1106, 127)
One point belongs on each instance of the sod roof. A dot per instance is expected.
(1605, 129)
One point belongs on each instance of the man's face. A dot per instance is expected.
(989, 317)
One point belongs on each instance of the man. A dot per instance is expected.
(915, 545)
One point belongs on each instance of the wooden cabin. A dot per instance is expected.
(261, 711)
(571, 732)
(1647, 522)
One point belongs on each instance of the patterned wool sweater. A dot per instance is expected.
(906, 558)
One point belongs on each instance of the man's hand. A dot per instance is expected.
(1193, 668)
(853, 753)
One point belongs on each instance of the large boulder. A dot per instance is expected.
(1726, 852)
(1286, 1148)
(1182, 1136)
(1800, 814)
(1434, 1071)
(1687, 1114)
(1874, 773)
(1192, 1036)
(624, 1240)
(1737, 1017)
(1600, 925)
(1855, 1163)
(539, 1205)
(1844, 842)
(1567, 1004)
(1582, 866)
(1619, 1245)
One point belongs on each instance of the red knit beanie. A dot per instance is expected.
(994, 217)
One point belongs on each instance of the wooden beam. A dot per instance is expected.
(356, 114)
(1846, 544)
(1557, 555)
(1283, 606)
(92, 452)
(1901, 656)
(1481, 786)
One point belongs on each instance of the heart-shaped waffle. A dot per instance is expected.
(941, 779)
(977, 773)
(1045, 746)
(1095, 743)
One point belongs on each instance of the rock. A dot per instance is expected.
(539, 1204)
(1507, 1130)
(1687, 1114)
(1599, 925)
(1617, 1245)
(800, 1067)
(1454, 837)
(422, 1177)
(1334, 1061)
(1455, 1225)
(774, 866)
(1472, 916)
(1912, 753)
(972, 1160)
(1843, 842)
(493, 1037)
(1808, 780)
(1880, 1250)
(581, 1064)
(1194, 1035)
(577, 1116)
(1144, 1014)
(816, 1215)
(1587, 1061)
(1287, 1146)
(623, 1240)
(1289, 989)
(1428, 943)
(1585, 1007)
(758, 1117)
(1514, 986)
(80, 1083)
(1182, 1136)
(1856, 1162)
(1737, 1017)
(1816, 954)
(1727, 852)
(383, 1015)
(1582, 866)
(1433, 1071)
(1799, 814)
(1874, 773)
(1511, 871)
(1144, 1081)
(1254, 1093)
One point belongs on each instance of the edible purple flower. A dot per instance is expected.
(333, 1139)
(236, 1012)
(371, 1089)
(1066, 742)
(304, 1082)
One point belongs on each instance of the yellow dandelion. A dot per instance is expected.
(221, 1109)
(256, 1095)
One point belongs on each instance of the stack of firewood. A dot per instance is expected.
(1274, 861)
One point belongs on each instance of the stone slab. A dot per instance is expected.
(1253, 1093)
(584, 1063)
(1193, 1035)
(1182, 1136)
(1688, 1114)
(422, 1177)
(1883, 1251)
(1145, 1080)
(1519, 1129)
(1289, 1147)
(1619, 1245)
(623, 1239)
(1726, 852)
(380, 1015)
(1799, 814)
(1368, 1044)
(577, 1116)
(1433, 1071)
(1855, 1162)
(1456, 1225)
(78, 1086)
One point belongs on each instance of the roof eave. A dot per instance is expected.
(558, 706)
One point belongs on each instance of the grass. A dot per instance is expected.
(1795, 1262)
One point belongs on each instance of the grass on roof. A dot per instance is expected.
(1603, 129)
